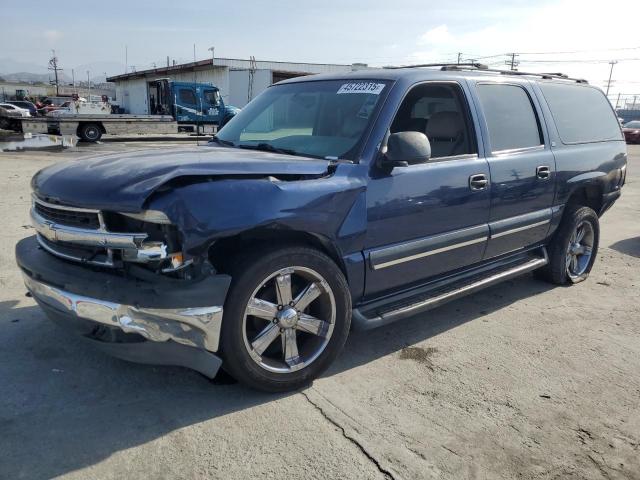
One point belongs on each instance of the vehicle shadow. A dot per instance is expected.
(628, 246)
(65, 406)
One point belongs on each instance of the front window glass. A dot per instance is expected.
(317, 119)
(212, 97)
(635, 124)
(441, 113)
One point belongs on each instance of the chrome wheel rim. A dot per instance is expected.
(580, 250)
(295, 305)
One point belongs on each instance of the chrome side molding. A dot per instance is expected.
(520, 229)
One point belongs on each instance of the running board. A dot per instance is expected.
(361, 321)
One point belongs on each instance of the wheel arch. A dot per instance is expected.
(589, 195)
(224, 250)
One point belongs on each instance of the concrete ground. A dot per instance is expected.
(524, 380)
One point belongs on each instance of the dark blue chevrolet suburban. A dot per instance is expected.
(329, 203)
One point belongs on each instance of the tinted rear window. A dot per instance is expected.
(511, 120)
(582, 114)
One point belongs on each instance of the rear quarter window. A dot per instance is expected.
(582, 114)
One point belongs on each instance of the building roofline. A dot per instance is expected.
(208, 62)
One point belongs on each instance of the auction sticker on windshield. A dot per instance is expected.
(361, 87)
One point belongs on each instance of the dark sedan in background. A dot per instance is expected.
(631, 131)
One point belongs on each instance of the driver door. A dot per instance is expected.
(211, 105)
(428, 219)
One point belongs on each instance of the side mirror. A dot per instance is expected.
(406, 148)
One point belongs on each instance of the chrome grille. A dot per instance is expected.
(72, 218)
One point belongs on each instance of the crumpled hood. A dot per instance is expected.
(123, 182)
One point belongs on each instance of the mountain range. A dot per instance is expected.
(16, 70)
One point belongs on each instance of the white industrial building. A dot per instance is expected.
(238, 80)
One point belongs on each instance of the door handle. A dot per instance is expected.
(543, 172)
(478, 181)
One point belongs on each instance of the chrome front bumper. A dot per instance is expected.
(195, 327)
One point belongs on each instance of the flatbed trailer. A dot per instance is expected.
(91, 127)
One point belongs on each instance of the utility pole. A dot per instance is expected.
(213, 54)
(612, 63)
(252, 72)
(89, 84)
(73, 80)
(126, 58)
(53, 65)
(512, 62)
(459, 58)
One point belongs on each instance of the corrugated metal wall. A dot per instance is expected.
(239, 86)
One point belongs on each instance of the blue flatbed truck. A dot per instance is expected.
(173, 106)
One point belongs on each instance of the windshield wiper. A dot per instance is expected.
(218, 140)
(267, 147)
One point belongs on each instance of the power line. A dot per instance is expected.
(592, 61)
(582, 51)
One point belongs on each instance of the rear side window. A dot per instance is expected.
(510, 117)
(582, 114)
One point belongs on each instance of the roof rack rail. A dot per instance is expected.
(485, 68)
(546, 76)
(445, 66)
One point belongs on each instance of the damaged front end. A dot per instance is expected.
(123, 281)
(133, 253)
(108, 239)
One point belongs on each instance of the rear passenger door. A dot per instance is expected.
(523, 171)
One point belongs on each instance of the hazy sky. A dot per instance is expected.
(378, 32)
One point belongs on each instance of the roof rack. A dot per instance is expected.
(485, 68)
(445, 66)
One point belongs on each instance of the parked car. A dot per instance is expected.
(25, 105)
(10, 119)
(631, 131)
(328, 203)
(22, 111)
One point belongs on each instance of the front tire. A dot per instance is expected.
(574, 247)
(286, 318)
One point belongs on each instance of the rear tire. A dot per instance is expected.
(574, 247)
(90, 132)
(267, 342)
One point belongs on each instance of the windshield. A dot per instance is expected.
(326, 119)
(634, 124)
